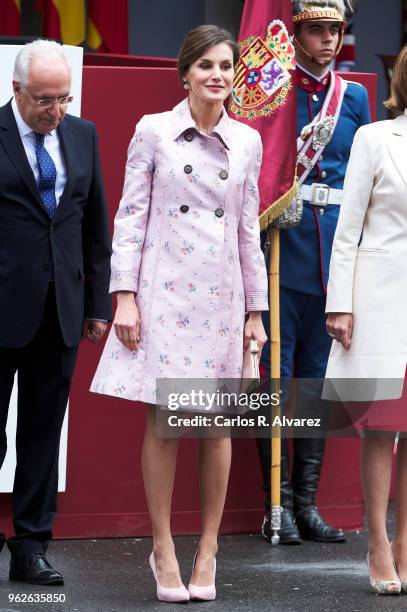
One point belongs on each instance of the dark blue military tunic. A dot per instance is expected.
(306, 249)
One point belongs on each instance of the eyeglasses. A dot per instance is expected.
(48, 102)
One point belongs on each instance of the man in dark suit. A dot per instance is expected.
(54, 275)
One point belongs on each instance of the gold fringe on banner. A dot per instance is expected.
(277, 207)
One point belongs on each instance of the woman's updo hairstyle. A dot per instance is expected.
(199, 40)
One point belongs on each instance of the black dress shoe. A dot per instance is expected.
(289, 533)
(34, 569)
(312, 526)
(266, 528)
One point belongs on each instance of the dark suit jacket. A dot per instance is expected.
(78, 236)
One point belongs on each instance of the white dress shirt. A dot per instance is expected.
(52, 145)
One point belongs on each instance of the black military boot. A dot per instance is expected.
(264, 450)
(308, 456)
(289, 533)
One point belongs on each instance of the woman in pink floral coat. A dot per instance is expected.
(186, 266)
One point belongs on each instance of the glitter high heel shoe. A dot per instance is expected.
(383, 587)
(403, 583)
(203, 593)
(168, 594)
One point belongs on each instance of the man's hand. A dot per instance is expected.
(339, 325)
(93, 330)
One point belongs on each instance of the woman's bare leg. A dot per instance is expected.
(376, 463)
(159, 457)
(214, 460)
(400, 536)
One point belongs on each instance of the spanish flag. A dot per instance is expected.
(10, 11)
(63, 20)
(107, 29)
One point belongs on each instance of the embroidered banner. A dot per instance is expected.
(263, 97)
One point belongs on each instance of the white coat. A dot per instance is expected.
(368, 269)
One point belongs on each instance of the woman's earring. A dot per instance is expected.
(186, 84)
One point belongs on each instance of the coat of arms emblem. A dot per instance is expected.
(263, 77)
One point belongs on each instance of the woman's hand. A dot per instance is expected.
(339, 325)
(127, 320)
(254, 330)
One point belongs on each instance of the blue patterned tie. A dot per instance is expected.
(48, 175)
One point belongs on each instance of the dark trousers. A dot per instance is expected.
(44, 370)
(305, 344)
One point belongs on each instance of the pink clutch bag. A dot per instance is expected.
(251, 369)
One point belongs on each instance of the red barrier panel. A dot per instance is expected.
(369, 80)
(115, 59)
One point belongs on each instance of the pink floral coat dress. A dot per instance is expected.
(186, 241)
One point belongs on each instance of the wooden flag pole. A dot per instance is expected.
(274, 305)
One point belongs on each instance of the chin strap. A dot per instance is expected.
(298, 45)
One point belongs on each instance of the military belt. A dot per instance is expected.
(321, 195)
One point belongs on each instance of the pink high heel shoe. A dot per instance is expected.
(168, 594)
(203, 593)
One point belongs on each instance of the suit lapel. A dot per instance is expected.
(397, 143)
(14, 148)
(67, 140)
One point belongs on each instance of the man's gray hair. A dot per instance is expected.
(48, 49)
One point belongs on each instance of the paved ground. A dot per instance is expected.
(113, 575)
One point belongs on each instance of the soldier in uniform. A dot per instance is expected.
(329, 111)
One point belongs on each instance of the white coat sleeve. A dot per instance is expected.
(130, 223)
(358, 187)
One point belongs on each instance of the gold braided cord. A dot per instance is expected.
(316, 14)
(277, 207)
